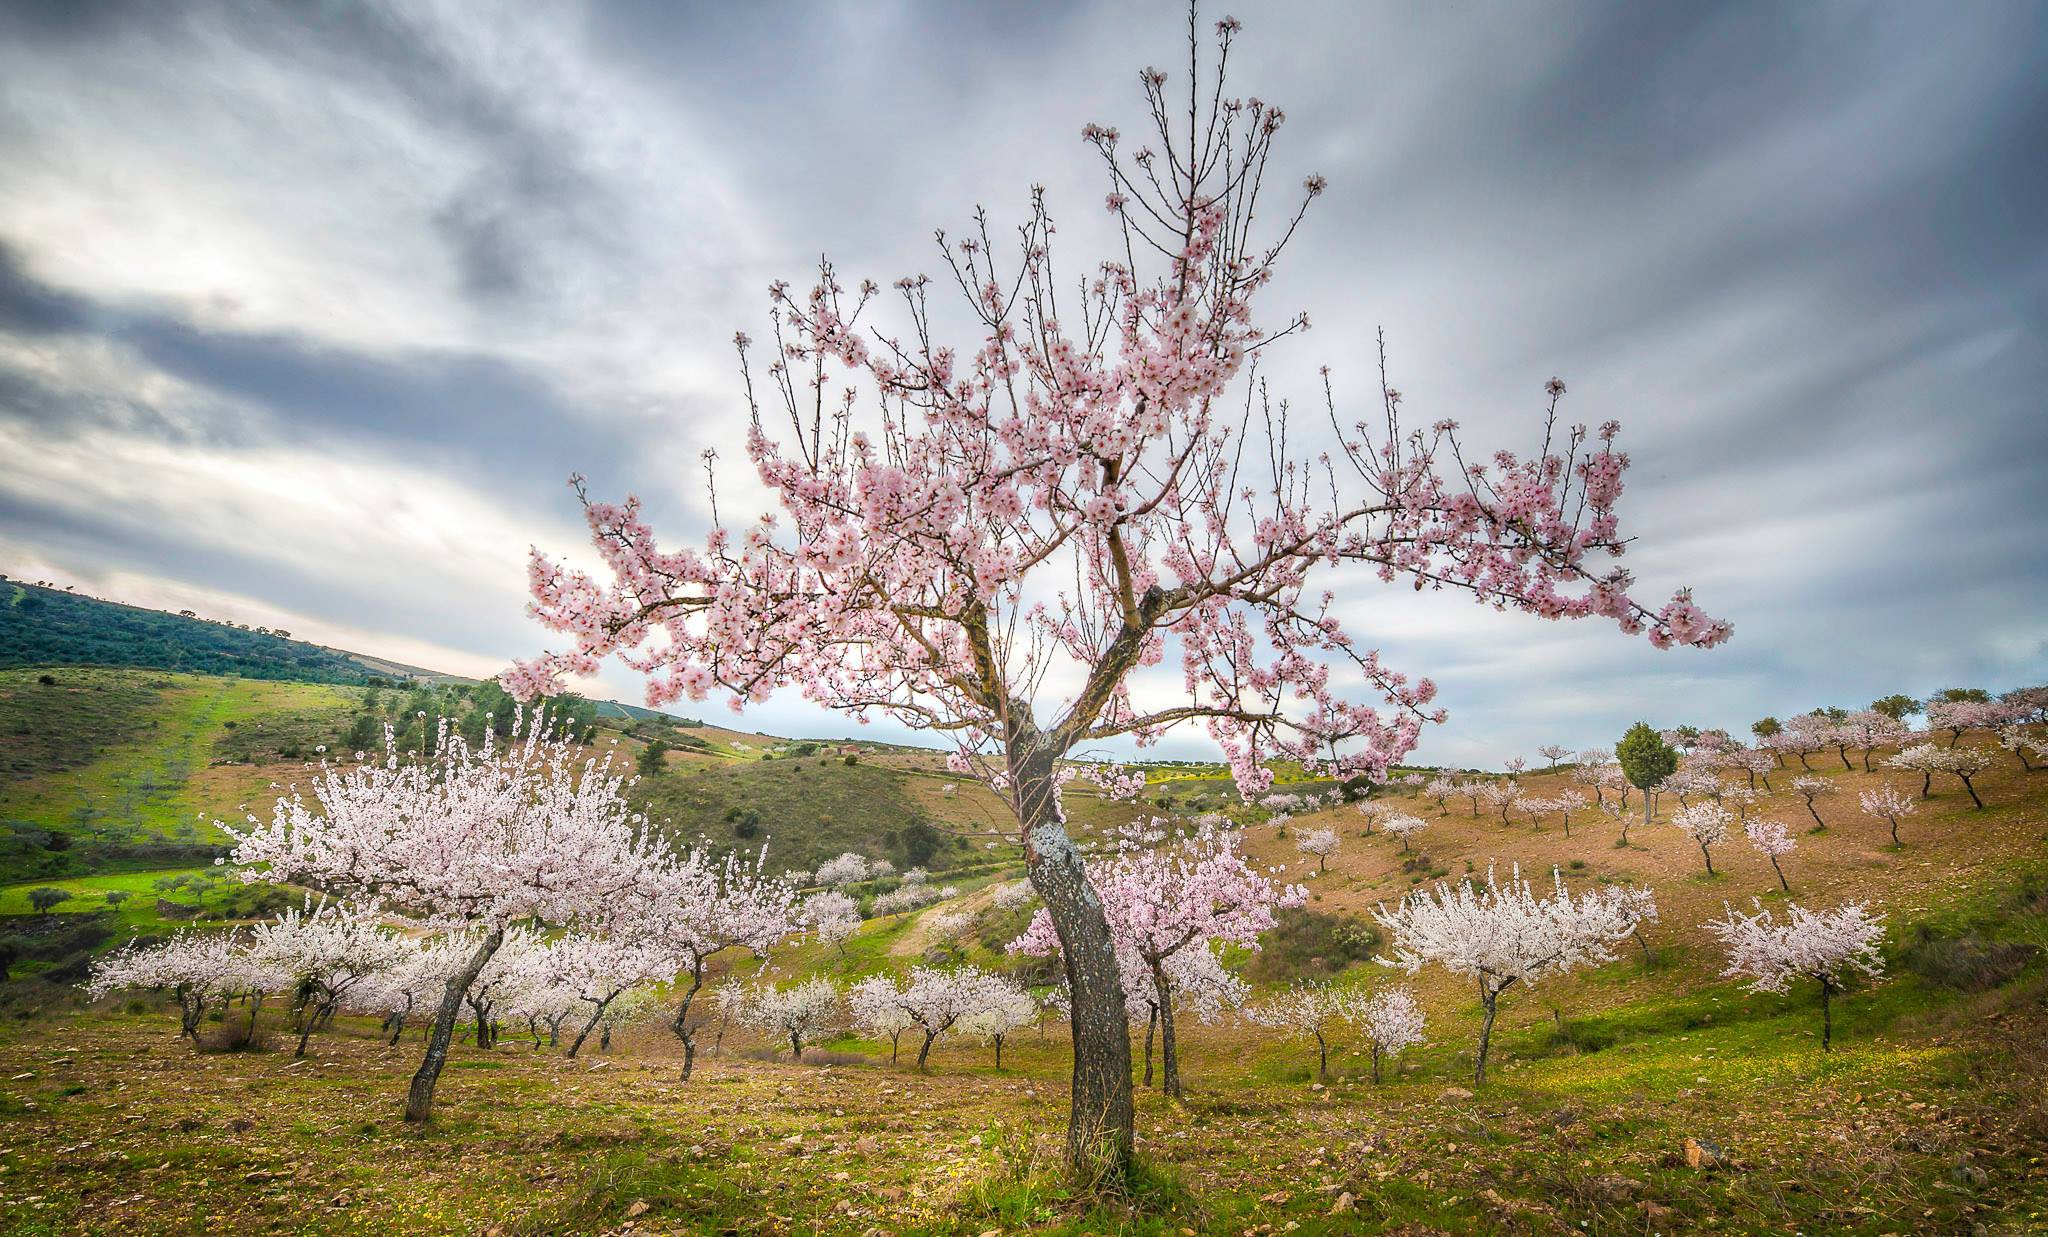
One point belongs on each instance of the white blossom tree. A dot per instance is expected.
(1926, 759)
(328, 950)
(1826, 947)
(1312, 1009)
(1707, 824)
(704, 906)
(464, 837)
(1392, 1021)
(1553, 752)
(1772, 840)
(1404, 827)
(806, 1010)
(833, 916)
(1503, 934)
(1004, 1009)
(1319, 843)
(1888, 805)
(875, 1006)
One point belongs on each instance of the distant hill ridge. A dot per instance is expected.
(45, 626)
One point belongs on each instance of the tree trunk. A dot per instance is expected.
(1102, 1118)
(1169, 1056)
(584, 1034)
(1708, 856)
(1322, 1058)
(796, 1048)
(1927, 783)
(604, 1038)
(1151, 1025)
(924, 1050)
(1375, 1063)
(681, 1026)
(1490, 998)
(1646, 809)
(999, 1054)
(1965, 779)
(397, 1027)
(419, 1098)
(1816, 815)
(1827, 1017)
(305, 1030)
(1782, 884)
(895, 1040)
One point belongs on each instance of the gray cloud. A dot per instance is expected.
(421, 263)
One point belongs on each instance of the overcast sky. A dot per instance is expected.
(307, 310)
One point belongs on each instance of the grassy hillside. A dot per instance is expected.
(48, 627)
(1931, 1115)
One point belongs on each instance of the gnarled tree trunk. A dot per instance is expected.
(1101, 1121)
(419, 1098)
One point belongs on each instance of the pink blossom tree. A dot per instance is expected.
(1160, 901)
(465, 838)
(1826, 947)
(1961, 716)
(1095, 485)
(1553, 752)
(1810, 788)
(1888, 805)
(1440, 791)
(1503, 934)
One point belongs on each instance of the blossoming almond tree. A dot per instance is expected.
(1503, 934)
(1404, 827)
(1772, 840)
(1926, 759)
(1707, 824)
(1320, 843)
(808, 1009)
(1312, 1009)
(204, 970)
(465, 838)
(1162, 900)
(987, 540)
(1553, 752)
(1810, 788)
(1824, 947)
(703, 906)
(326, 950)
(1392, 1021)
(1887, 804)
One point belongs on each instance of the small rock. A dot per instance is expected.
(639, 1208)
(1966, 1173)
(1343, 1204)
(1616, 1188)
(1455, 1093)
(1315, 1086)
(1701, 1154)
